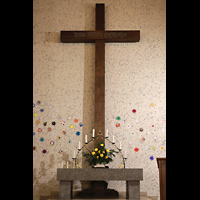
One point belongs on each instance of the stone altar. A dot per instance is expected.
(132, 177)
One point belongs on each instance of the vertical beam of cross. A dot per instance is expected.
(99, 77)
(99, 36)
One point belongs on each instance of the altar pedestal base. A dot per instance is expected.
(98, 190)
(99, 186)
(133, 190)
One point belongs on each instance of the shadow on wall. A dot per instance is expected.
(45, 182)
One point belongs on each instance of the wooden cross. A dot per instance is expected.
(99, 37)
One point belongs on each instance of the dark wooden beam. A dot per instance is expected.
(91, 36)
(99, 121)
(99, 91)
(100, 17)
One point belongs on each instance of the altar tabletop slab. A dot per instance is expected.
(86, 174)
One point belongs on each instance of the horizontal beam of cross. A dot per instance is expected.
(91, 36)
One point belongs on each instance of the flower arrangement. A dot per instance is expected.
(99, 155)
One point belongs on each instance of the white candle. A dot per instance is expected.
(106, 133)
(93, 132)
(74, 154)
(67, 164)
(120, 145)
(85, 138)
(62, 164)
(113, 139)
(79, 145)
(125, 154)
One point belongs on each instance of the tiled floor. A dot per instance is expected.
(141, 198)
(122, 196)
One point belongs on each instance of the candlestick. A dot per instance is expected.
(106, 133)
(86, 139)
(120, 145)
(67, 164)
(74, 154)
(125, 154)
(62, 164)
(93, 133)
(79, 145)
(113, 139)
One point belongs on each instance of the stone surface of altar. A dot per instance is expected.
(132, 177)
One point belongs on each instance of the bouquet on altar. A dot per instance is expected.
(99, 155)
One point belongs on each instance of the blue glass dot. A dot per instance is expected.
(151, 157)
(78, 133)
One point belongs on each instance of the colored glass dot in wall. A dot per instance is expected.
(118, 118)
(151, 157)
(41, 139)
(141, 129)
(136, 149)
(71, 126)
(152, 104)
(60, 151)
(76, 120)
(117, 124)
(53, 123)
(44, 151)
(33, 105)
(39, 130)
(49, 129)
(134, 110)
(41, 110)
(64, 132)
(81, 124)
(62, 123)
(78, 133)
(161, 148)
(37, 121)
(45, 123)
(128, 125)
(52, 143)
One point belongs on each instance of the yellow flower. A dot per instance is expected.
(97, 157)
(101, 155)
(96, 149)
(106, 157)
(107, 150)
(99, 151)
(93, 153)
(103, 151)
(102, 145)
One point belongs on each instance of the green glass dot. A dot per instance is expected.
(118, 118)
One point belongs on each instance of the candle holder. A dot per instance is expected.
(120, 150)
(92, 140)
(74, 159)
(124, 161)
